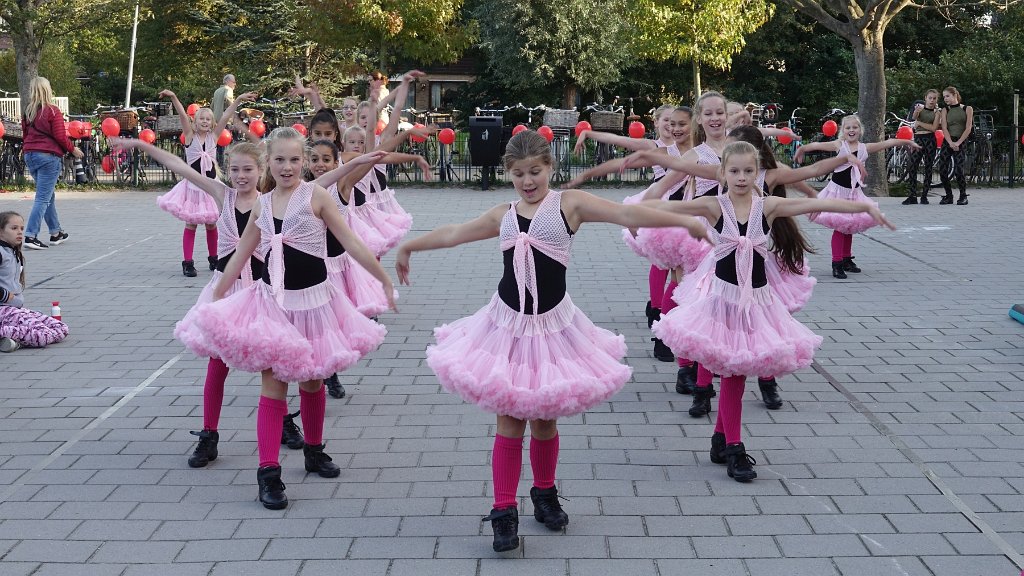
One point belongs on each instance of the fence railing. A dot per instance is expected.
(11, 107)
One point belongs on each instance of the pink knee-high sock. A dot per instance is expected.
(544, 460)
(837, 246)
(269, 423)
(656, 281)
(506, 465)
(667, 303)
(213, 392)
(847, 245)
(188, 241)
(312, 407)
(704, 376)
(730, 407)
(211, 241)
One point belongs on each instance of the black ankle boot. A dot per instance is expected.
(662, 352)
(962, 201)
(319, 462)
(206, 450)
(770, 393)
(213, 262)
(546, 508)
(947, 199)
(505, 523)
(838, 271)
(334, 387)
(653, 315)
(188, 268)
(912, 199)
(740, 464)
(924, 195)
(686, 379)
(271, 488)
(850, 266)
(291, 436)
(701, 401)
(718, 448)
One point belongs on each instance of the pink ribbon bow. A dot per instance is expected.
(524, 265)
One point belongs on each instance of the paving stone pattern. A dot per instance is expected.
(899, 454)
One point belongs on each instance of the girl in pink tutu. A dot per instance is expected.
(847, 184)
(530, 355)
(185, 201)
(293, 323)
(729, 319)
(20, 326)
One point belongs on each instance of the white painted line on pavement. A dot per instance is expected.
(96, 259)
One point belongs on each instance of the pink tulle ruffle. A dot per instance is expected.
(365, 291)
(794, 290)
(669, 248)
(543, 366)
(845, 223)
(391, 227)
(189, 204)
(187, 331)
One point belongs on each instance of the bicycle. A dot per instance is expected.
(897, 159)
(562, 124)
(603, 118)
(811, 157)
(12, 162)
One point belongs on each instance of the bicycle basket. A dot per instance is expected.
(128, 119)
(12, 129)
(607, 121)
(561, 118)
(168, 125)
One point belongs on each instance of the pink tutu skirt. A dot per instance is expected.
(627, 234)
(189, 204)
(30, 328)
(368, 234)
(314, 333)
(391, 227)
(711, 326)
(187, 331)
(542, 366)
(386, 201)
(365, 291)
(794, 290)
(844, 223)
(669, 248)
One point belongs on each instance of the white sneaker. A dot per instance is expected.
(8, 345)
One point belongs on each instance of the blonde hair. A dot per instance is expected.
(283, 134)
(353, 130)
(740, 148)
(662, 110)
(254, 151)
(699, 136)
(852, 117)
(527, 144)
(205, 109)
(40, 95)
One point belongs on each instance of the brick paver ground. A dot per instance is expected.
(899, 453)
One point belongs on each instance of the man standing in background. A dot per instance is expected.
(223, 97)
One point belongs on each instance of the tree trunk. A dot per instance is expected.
(569, 95)
(696, 80)
(27, 50)
(870, 60)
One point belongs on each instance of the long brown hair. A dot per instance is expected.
(267, 182)
(788, 244)
(699, 136)
(6, 217)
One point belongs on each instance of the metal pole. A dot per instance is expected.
(1016, 137)
(131, 59)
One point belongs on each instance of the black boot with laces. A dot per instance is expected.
(505, 523)
(334, 387)
(686, 379)
(770, 393)
(318, 461)
(838, 270)
(718, 448)
(850, 266)
(291, 435)
(546, 508)
(912, 199)
(206, 450)
(701, 401)
(740, 464)
(271, 488)
(188, 268)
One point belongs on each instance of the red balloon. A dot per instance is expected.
(182, 138)
(75, 129)
(86, 129)
(2, 130)
(300, 128)
(258, 128)
(546, 132)
(225, 137)
(108, 164)
(192, 109)
(939, 137)
(1022, 139)
(581, 126)
(110, 127)
(787, 139)
(519, 128)
(829, 128)
(147, 136)
(446, 136)
(381, 125)
(906, 133)
(414, 137)
(637, 129)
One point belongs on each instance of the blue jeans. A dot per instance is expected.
(45, 170)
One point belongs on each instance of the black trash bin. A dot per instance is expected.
(485, 140)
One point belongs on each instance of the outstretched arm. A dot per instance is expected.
(775, 207)
(770, 132)
(400, 95)
(246, 246)
(615, 140)
(229, 114)
(584, 207)
(687, 164)
(362, 163)
(487, 225)
(186, 122)
(890, 143)
(706, 207)
(787, 175)
(215, 188)
(831, 146)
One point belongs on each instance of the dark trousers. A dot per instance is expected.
(957, 157)
(922, 159)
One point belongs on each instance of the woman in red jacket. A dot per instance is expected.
(46, 143)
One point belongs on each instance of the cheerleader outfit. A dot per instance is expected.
(294, 322)
(186, 201)
(391, 227)
(25, 327)
(365, 291)
(531, 353)
(846, 184)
